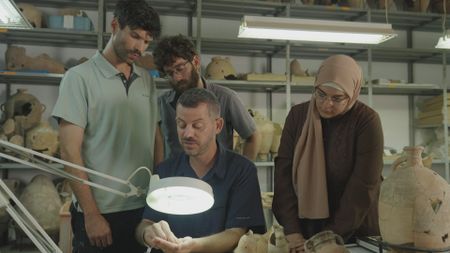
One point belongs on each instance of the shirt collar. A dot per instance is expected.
(108, 70)
(218, 169)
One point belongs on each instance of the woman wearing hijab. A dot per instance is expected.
(328, 168)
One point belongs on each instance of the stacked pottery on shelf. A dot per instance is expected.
(220, 69)
(266, 130)
(21, 112)
(42, 138)
(414, 204)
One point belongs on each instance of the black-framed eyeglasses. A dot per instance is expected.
(179, 69)
(321, 96)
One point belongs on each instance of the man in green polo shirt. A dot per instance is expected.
(108, 115)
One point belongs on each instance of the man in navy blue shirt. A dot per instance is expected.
(237, 200)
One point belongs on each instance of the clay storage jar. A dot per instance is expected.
(24, 108)
(414, 204)
(325, 242)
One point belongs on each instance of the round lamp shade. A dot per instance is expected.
(179, 195)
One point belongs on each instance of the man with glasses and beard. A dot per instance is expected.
(108, 119)
(176, 57)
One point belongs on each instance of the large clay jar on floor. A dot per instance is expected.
(414, 204)
(42, 200)
(325, 242)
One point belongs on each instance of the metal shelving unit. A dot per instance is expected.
(50, 37)
(10, 77)
(234, 10)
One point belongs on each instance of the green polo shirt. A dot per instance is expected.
(119, 125)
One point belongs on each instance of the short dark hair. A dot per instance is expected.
(138, 14)
(195, 96)
(171, 47)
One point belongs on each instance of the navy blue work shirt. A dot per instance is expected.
(237, 196)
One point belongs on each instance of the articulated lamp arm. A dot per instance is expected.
(37, 163)
(175, 195)
(21, 215)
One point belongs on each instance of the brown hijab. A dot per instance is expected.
(308, 168)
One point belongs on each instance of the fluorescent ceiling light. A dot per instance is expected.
(11, 16)
(179, 195)
(314, 30)
(444, 41)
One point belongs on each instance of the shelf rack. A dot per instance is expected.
(234, 10)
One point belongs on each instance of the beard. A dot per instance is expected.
(184, 85)
(124, 53)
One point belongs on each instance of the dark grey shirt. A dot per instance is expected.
(232, 111)
(237, 198)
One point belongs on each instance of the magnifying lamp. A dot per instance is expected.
(172, 195)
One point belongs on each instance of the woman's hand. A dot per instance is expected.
(296, 243)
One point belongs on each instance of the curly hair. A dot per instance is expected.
(171, 47)
(138, 14)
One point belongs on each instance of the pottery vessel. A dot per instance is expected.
(277, 240)
(253, 243)
(277, 131)
(220, 69)
(325, 242)
(296, 68)
(266, 129)
(42, 138)
(14, 185)
(414, 204)
(33, 14)
(24, 108)
(42, 200)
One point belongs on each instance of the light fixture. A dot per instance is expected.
(173, 195)
(314, 30)
(12, 17)
(444, 41)
(179, 195)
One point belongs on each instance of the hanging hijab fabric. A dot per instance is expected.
(309, 168)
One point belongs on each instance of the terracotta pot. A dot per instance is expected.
(42, 138)
(24, 108)
(277, 240)
(220, 69)
(42, 200)
(278, 129)
(252, 243)
(266, 129)
(325, 242)
(414, 204)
